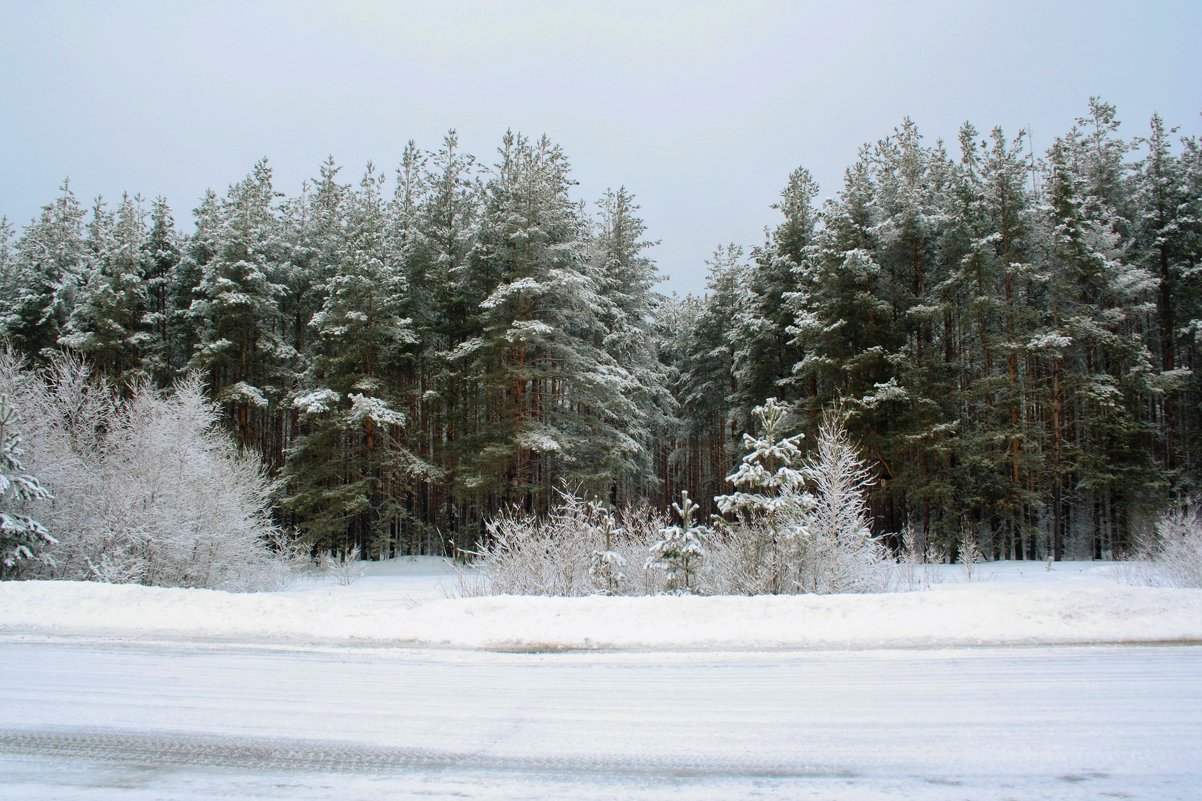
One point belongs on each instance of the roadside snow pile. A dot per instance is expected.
(405, 603)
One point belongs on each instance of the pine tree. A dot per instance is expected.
(766, 513)
(162, 358)
(8, 267)
(608, 563)
(351, 453)
(708, 389)
(771, 350)
(47, 274)
(552, 399)
(1100, 367)
(240, 350)
(21, 537)
(1164, 244)
(197, 252)
(438, 214)
(107, 323)
(625, 282)
(680, 551)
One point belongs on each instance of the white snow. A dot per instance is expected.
(137, 693)
(409, 601)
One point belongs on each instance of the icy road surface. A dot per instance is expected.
(95, 720)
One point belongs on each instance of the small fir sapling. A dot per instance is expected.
(680, 551)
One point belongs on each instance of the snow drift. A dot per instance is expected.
(1013, 604)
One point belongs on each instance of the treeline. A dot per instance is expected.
(1015, 340)
(1012, 339)
(406, 364)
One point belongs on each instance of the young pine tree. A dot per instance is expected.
(768, 508)
(21, 537)
(680, 551)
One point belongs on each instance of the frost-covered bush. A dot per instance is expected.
(147, 489)
(346, 568)
(797, 525)
(843, 556)
(581, 548)
(1175, 549)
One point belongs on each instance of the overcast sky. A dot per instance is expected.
(699, 108)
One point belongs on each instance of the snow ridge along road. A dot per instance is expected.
(1013, 603)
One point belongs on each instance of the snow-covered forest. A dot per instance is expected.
(1010, 338)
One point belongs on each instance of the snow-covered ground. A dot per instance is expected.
(1017, 683)
(185, 722)
(408, 602)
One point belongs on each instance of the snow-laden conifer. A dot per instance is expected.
(762, 540)
(21, 537)
(798, 524)
(680, 550)
(608, 563)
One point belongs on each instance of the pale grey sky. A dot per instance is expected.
(699, 108)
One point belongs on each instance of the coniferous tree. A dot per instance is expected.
(162, 359)
(549, 392)
(441, 214)
(707, 385)
(771, 350)
(107, 323)
(625, 282)
(351, 406)
(21, 537)
(47, 274)
(237, 307)
(1099, 302)
(8, 267)
(1165, 245)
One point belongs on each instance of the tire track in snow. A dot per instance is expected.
(309, 756)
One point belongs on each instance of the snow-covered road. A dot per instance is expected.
(95, 720)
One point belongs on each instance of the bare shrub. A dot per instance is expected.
(1174, 551)
(581, 548)
(970, 555)
(346, 567)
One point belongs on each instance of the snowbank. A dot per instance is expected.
(1007, 604)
